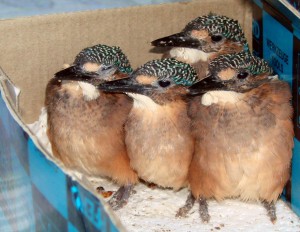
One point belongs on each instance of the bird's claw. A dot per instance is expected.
(271, 210)
(183, 211)
(203, 210)
(121, 196)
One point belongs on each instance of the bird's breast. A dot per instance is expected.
(160, 144)
(245, 145)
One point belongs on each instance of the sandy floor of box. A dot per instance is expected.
(154, 209)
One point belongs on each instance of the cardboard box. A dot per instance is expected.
(36, 192)
(276, 38)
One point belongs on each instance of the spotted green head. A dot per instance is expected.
(210, 33)
(243, 61)
(162, 80)
(97, 64)
(238, 72)
(106, 56)
(168, 71)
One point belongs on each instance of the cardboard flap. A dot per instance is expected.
(10, 90)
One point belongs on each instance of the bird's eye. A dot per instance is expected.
(216, 38)
(163, 83)
(242, 75)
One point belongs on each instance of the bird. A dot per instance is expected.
(203, 39)
(242, 124)
(86, 126)
(157, 131)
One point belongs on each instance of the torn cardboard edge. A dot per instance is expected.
(9, 94)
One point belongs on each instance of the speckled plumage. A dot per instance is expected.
(244, 139)
(242, 60)
(218, 24)
(158, 136)
(181, 73)
(106, 55)
(204, 39)
(86, 130)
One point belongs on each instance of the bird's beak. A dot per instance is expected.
(178, 40)
(76, 73)
(125, 85)
(209, 83)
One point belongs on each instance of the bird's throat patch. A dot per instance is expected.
(220, 97)
(142, 101)
(89, 91)
(189, 55)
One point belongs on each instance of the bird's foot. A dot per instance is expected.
(271, 210)
(121, 196)
(203, 210)
(189, 203)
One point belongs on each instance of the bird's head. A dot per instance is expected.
(97, 64)
(211, 34)
(237, 72)
(162, 81)
(92, 66)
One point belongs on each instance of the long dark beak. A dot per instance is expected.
(76, 73)
(209, 83)
(126, 85)
(178, 40)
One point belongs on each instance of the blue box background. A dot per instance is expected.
(282, 31)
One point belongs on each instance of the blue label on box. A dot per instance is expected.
(81, 203)
(278, 47)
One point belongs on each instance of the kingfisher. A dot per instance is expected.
(158, 136)
(85, 125)
(204, 39)
(242, 124)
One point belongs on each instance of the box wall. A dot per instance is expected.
(276, 39)
(33, 49)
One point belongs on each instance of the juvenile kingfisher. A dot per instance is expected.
(85, 125)
(158, 135)
(243, 134)
(204, 39)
